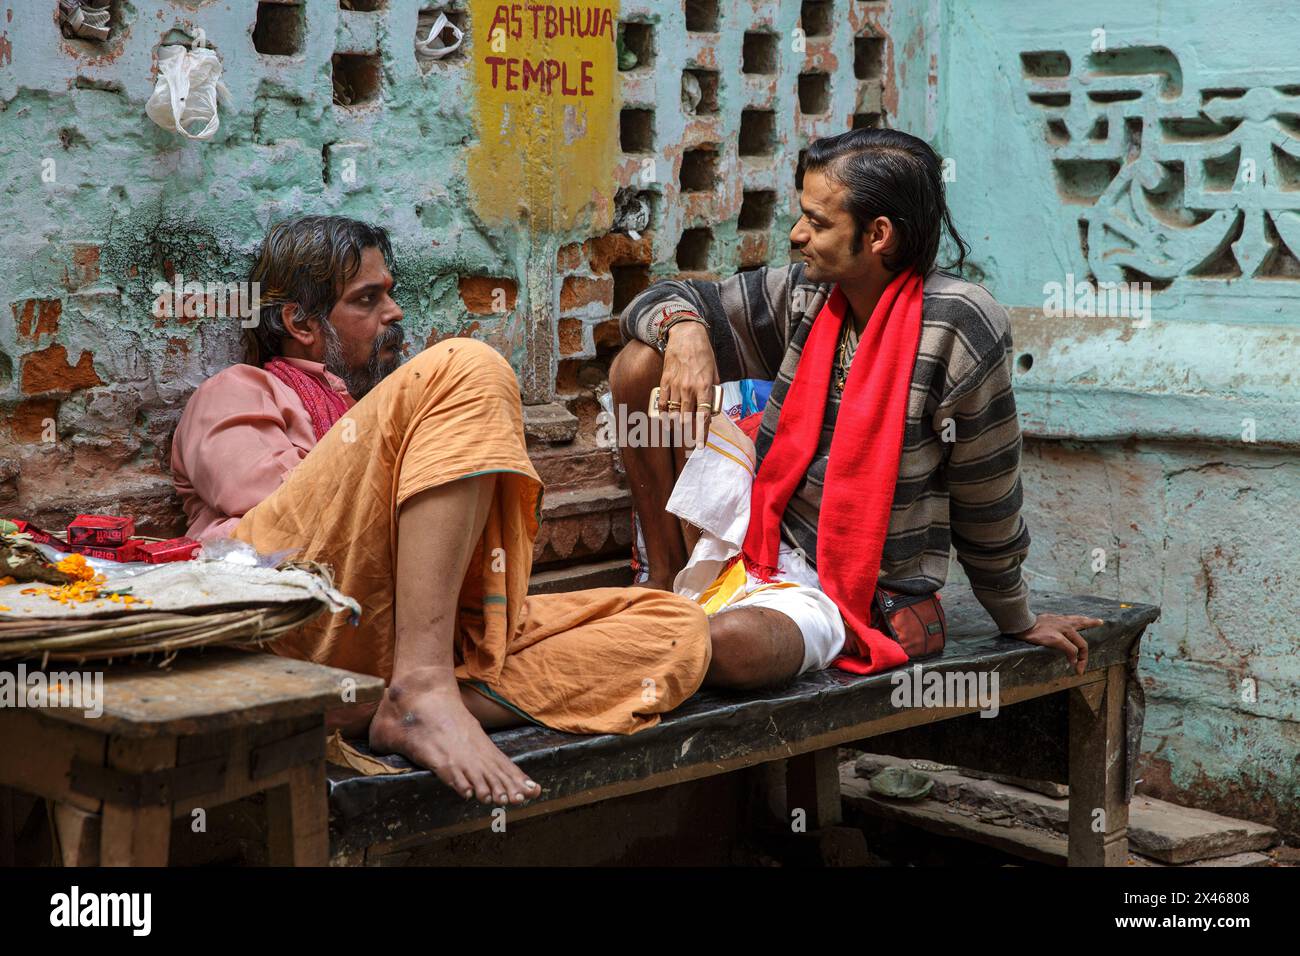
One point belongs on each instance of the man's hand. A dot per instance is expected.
(1061, 631)
(690, 372)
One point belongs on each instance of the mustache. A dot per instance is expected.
(359, 382)
(391, 337)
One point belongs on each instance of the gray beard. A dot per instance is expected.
(361, 381)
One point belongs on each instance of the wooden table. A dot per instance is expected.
(1081, 729)
(212, 728)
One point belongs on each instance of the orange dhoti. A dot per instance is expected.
(608, 660)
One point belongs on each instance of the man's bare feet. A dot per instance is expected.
(423, 718)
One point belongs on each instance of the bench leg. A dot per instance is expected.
(812, 784)
(297, 816)
(1098, 825)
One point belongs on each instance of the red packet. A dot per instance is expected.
(105, 531)
(127, 552)
(39, 536)
(173, 549)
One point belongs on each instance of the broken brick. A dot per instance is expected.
(570, 335)
(569, 257)
(618, 249)
(49, 371)
(37, 317)
(85, 266)
(29, 418)
(753, 249)
(578, 291)
(481, 296)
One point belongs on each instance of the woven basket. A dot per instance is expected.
(128, 633)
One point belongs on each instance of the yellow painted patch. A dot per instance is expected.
(544, 83)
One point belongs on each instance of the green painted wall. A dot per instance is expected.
(1154, 142)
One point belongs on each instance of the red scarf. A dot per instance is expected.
(863, 467)
(324, 405)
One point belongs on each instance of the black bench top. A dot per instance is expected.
(714, 728)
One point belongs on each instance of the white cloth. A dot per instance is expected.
(712, 493)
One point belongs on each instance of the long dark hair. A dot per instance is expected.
(893, 174)
(307, 261)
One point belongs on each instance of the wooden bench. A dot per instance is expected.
(214, 728)
(1083, 730)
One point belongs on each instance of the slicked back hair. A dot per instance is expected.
(308, 261)
(896, 175)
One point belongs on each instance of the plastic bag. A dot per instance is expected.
(240, 554)
(432, 46)
(185, 93)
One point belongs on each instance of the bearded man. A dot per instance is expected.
(412, 481)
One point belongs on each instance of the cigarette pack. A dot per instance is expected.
(105, 531)
(173, 549)
(39, 536)
(126, 552)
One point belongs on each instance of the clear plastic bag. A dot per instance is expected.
(241, 553)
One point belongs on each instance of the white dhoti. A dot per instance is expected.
(712, 493)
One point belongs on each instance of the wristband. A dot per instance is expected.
(671, 319)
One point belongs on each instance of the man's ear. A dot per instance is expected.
(881, 237)
(295, 326)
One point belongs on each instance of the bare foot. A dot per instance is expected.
(423, 718)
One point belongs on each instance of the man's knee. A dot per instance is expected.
(636, 366)
(753, 648)
(461, 358)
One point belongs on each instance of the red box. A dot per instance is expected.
(39, 536)
(173, 549)
(103, 531)
(127, 552)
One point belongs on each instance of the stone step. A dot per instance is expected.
(1162, 831)
(582, 525)
(600, 574)
(566, 467)
(957, 821)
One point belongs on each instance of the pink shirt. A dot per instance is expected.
(242, 432)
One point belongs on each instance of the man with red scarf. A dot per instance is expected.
(890, 435)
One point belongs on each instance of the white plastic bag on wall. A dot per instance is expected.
(185, 94)
(433, 46)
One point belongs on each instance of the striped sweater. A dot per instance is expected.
(962, 493)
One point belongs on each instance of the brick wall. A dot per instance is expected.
(331, 111)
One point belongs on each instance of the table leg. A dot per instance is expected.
(8, 828)
(78, 833)
(137, 835)
(297, 816)
(1098, 824)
